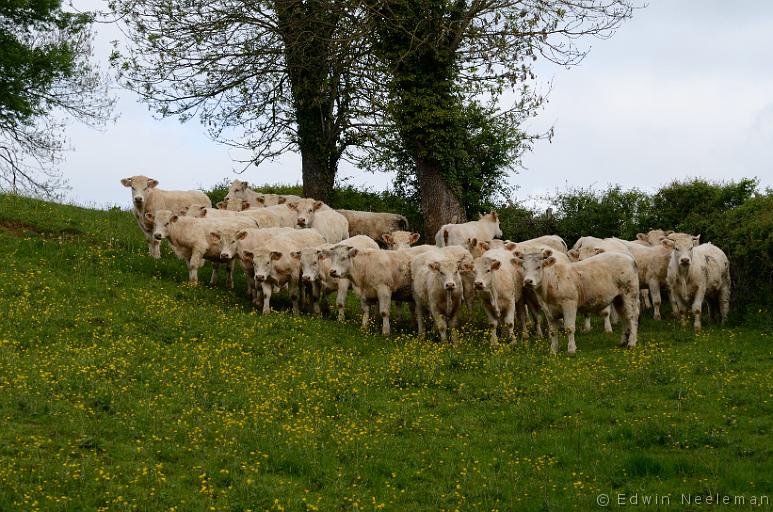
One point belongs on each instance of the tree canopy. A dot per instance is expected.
(45, 77)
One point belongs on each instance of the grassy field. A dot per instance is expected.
(122, 388)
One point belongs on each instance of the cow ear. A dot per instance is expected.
(242, 186)
(414, 238)
(387, 239)
(322, 254)
(434, 266)
(293, 206)
(241, 235)
(318, 205)
(484, 245)
(149, 216)
(574, 255)
(472, 242)
(465, 267)
(516, 262)
(494, 216)
(598, 250)
(203, 211)
(152, 183)
(642, 237)
(510, 246)
(547, 253)
(261, 199)
(248, 255)
(548, 261)
(281, 200)
(495, 264)
(275, 255)
(518, 254)
(696, 240)
(245, 204)
(667, 243)
(214, 235)
(126, 182)
(668, 232)
(296, 254)
(353, 251)
(174, 218)
(221, 205)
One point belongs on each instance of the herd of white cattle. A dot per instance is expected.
(313, 250)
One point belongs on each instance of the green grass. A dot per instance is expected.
(122, 388)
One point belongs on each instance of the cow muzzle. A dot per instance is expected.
(451, 286)
(528, 283)
(260, 277)
(158, 236)
(333, 272)
(479, 285)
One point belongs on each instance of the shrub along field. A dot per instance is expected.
(122, 388)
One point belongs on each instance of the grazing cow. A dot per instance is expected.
(373, 224)
(377, 276)
(315, 272)
(146, 198)
(564, 288)
(195, 240)
(499, 286)
(697, 272)
(484, 229)
(437, 289)
(399, 239)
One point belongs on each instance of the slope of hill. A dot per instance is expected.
(122, 387)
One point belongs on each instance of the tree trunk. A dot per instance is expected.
(318, 173)
(439, 205)
(307, 28)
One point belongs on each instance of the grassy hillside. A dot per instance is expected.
(122, 388)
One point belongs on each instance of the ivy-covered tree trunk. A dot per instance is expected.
(421, 61)
(307, 29)
(439, 204)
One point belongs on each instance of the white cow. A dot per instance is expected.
(146, 198)
(484, 229)
(695, 273)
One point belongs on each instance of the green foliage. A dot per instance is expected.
(612, 212)
(31, 61)
(124, 388)
(45, 76)
(690, 205)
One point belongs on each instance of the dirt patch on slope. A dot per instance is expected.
(17, 228)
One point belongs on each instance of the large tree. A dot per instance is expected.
(45, 78)
(442, 55)
(265, 76)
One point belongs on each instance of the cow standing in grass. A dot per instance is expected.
(146, 198)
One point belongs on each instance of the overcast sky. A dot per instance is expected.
(684, 89)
